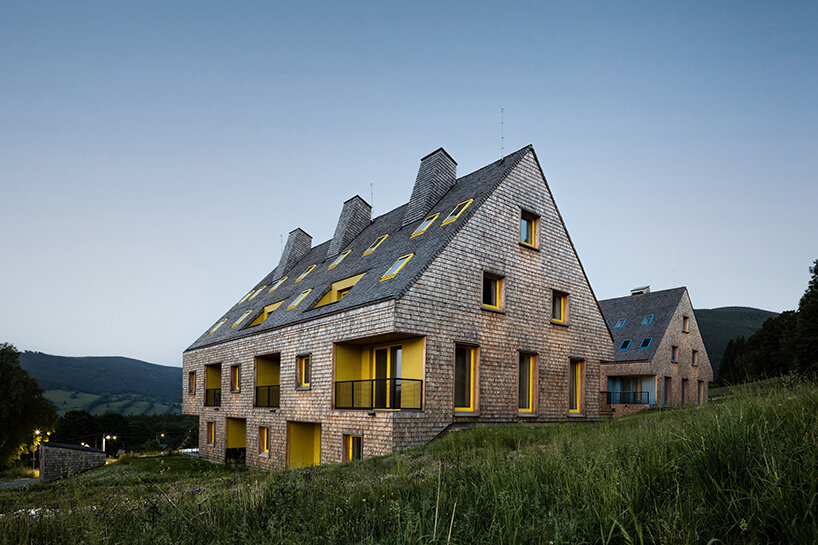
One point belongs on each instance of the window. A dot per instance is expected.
(575, 386)
(529, 229)
(625, 344)
(305, 273)
(457, 211)
(559, 307)
(695, 357)
(374, 245)
(241, 318)
(699, 393)
(217, 326)
(464, 371)
(211, 433)
(685, 324)
(191, 383)
(303, 371)
(338, 290)
(493, 291)
(667, 391)
(353, 447)
(674, 354)
(265, 313)
(263, 440)
(235, 378)
(620, 323)
(684, 392)
(299, 299)
(246, 297)
(256, 293)
(647, 320)
(337, 260)
(277, 284)
(526, 383)
(396, 267)
(425, 224)
(645, 343)
(268, 380)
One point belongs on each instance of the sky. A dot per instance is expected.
(153, 154)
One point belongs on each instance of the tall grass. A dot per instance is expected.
(741, 471)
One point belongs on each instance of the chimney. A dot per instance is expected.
(640, 291)
(355, 217)
(436, 175)
(298, 245)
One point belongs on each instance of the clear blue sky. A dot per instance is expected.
(152, 154)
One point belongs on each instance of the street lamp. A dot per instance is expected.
(33, 448)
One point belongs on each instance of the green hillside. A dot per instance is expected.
(106, 383)
(719, 325)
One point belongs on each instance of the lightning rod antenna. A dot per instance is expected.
(502, 135)
(371, 196)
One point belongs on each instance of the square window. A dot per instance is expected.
(396, 267)
(695, 357)
(241, 318)
(337, 260)
(493, 291)
(620, 323)
(559, 307)
(685, 324)
(645, 343)
(526, 383)
(277, 284)
(529, 229)
(674, 354)
(647, 320)
(217, 326)
(575, 386)
(455, 213)
(235, 377)
(353, 447)
(304, 274)
(374, 245)
(298, 299)
(257, 292)
(264, 440)
(303, 371)
(625, 344)
(425, 224)
(464, 378)
(191, 383)
(211, 433)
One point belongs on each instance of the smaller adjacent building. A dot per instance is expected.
(659, 356)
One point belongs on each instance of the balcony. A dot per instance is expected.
(630, 398)
(213, 397)
(385, 394)
(268, 396)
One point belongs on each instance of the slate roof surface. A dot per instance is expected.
(662, 304)
(478, 185)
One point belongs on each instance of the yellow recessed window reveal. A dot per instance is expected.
(337, 260)
(277, 284)
(265, 313)
(338, 290)
(257, 292)
(425, 224)
(396, 267)
(375, 244)
(217, 326)
(459, 209)
(305, 273)
(299, 299)
(242, 317)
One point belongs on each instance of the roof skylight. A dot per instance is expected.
(305, 273)
(648, 319)
(277, 284)
(375, 244)
(217, 326)
(425, 224)
(337, 260)
(645, 343)
(243, 299)
(625, 344)
(265, 313)
(241, 318)
(620, 323)
(257, 292)
(396, 267)
(459, 209)
(299, 299)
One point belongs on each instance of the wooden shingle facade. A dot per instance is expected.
(468, 304)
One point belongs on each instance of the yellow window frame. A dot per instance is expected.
(338, 290)
(266, 313)
(455, 213)
(235, 378)
(348, 442)
(575, 367)
(337, 260)
(561, 298)
(277, 284)
(191, 383)
(263, 440)
(305, 273)
(217, 326)
(534, 223)
(211, 433)
(243, 299)
(257, 292)
(304, 369)
(472, 368)
(374, 245)
(241, 318)
(498, 290)
(532, 366)
(424, 225)
(298, 299)
(405, 259)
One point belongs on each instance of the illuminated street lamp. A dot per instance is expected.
(33, 448)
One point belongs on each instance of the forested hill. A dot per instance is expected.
(719, 325)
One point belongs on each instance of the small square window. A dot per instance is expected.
(493, 291)
(455, 213)
(425, 224)
(625, 344)
(695, 357)
(559, 307)
(264, 440)
(353, 447)
(303, 371)
(298, 299)
(529, 229)
(374, 245)
(647, 320)
(235, 378)
(191, 383)
(685, 324)
(674, 354)
(396, 267)
(645, 343)
(337, 260)
(211, 433)
(620, 323)
(304, 274)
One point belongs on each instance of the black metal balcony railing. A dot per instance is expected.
(268, 396)
(385, 393)
(213, 397)
(633, 398)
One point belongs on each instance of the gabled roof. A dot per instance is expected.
(662, 304)
(478, 185)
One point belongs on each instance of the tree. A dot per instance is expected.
(23, 409)
(806, 327)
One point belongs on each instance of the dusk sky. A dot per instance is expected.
(152, 155)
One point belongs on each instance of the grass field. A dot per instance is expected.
(743, 470)
(66, 400)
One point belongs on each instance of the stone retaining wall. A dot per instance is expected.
(58, 460)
